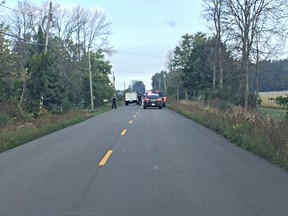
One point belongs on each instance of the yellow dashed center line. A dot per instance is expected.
(130, 122)
(105, 159)
(123, 132)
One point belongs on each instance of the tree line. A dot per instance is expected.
(235, 61)
(32, 78)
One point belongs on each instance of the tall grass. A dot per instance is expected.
(17, 133)
(262, 135)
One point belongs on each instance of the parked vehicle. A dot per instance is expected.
(152, 100)
(131, 97)
(161, 94)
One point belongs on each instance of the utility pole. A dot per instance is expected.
(114, 83)
(90, 78)
(165, 87)
(124, 86)
(48, 27)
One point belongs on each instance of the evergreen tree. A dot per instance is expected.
(43, 86)
(7, 71)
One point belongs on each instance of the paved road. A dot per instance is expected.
(153, 162)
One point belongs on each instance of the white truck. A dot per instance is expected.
(131, 97)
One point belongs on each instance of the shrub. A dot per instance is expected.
(8, 108)
(282, 101)
(4, 118)
(66, 105)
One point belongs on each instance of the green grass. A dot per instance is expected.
(274, 113)
(22, 132)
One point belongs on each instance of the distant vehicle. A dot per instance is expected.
(161, 94)
(152, 100)
(131, 97)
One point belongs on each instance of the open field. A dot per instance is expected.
(269, 103)
(275, 113)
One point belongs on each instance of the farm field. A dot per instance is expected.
(274, 113)
(269, 103)
(270, 108)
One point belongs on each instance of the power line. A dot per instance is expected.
(129, 63)
(2, 5)
(58, 54)
(22, 12)
(50, 48)
(37, 43)
(14, 36)
(141, 54)
(119, 83)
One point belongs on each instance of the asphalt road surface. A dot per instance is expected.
(135, 162)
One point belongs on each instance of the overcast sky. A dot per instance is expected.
(143, 32)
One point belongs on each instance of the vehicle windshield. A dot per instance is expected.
(154, 96)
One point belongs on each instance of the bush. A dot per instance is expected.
(222, 99)
(8, 111)
(282, 101)
(254, 100)
(8, 108)
(4, 118)
(66, 105)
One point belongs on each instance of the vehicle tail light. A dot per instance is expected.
(146, 100)
(159, 100)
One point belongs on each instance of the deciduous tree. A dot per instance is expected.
(245, 20)
(213, 13)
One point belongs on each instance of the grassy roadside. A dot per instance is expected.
(16, 134)
(263, 136)
(275, 113)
